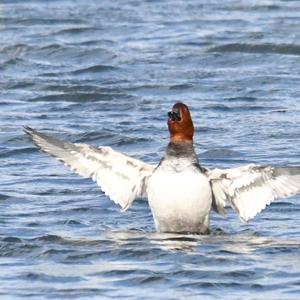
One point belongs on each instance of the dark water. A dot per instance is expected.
(106, 73)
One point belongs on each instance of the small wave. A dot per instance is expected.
(126, 140)
(19, 85)
(10, 62)
(49, 278)
(51, 47)
(50, 238)
(240, 274)
(78, 97)
(223, 107)
(94, 60)
(11, 239)
(279, 110)
(3, 197)
(219, 107)
(13, 152)
(181, 86)
(242, 99)
(218, 153)
(94, 69)
(12, 246)
(15, 50)
(72, 222)
(43, 21)
(76, 30)
(210, 129)
(288, 49)
(94, 136)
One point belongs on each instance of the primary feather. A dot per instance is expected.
(121, 177)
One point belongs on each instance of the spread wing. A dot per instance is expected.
(249, 189)
(121, 177)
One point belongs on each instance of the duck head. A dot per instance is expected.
(180, 124)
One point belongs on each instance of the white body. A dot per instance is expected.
(179, 201)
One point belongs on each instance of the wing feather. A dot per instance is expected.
(249, 189)
(119, 176)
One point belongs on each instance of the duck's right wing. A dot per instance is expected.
(121, 177)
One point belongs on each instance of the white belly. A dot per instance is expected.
(180, 202)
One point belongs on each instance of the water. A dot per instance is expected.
(106, 73)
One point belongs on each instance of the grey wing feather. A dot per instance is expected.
(250, 188)
(121, 177)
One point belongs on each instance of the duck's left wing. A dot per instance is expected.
(121, 177)
(249, 189)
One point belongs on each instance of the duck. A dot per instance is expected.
(181, 192)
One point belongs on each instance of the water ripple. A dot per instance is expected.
(287, 49)
(106, 73)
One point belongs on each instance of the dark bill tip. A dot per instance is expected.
(174, 116)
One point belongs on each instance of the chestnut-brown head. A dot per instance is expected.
(180, 124)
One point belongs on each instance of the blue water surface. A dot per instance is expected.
(106, 73)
